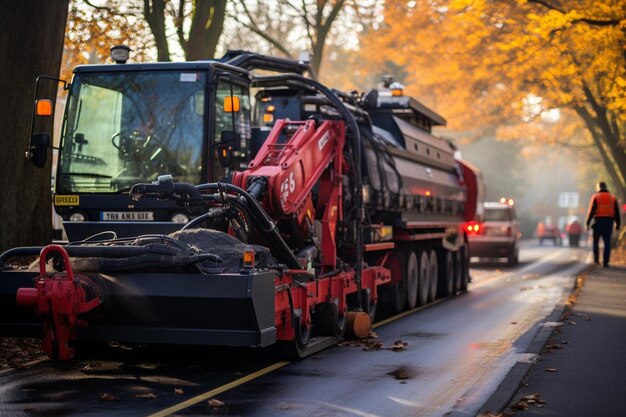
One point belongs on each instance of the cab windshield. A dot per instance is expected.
(123, 128)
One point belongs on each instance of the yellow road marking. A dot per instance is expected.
(277, 365)
(219, 390)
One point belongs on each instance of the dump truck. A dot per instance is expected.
(306, 210)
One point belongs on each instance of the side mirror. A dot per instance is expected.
(38, 149)
(230, 144)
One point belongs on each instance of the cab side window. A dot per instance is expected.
(231, 121)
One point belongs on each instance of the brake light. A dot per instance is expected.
(473, 228)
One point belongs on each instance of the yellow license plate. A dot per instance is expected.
(66, 200)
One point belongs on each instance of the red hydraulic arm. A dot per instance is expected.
(295, 157)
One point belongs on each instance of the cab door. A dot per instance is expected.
(230, 130)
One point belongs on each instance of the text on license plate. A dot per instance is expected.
(121, 216)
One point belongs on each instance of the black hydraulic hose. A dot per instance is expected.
(201, 218)
(357, 148)
(264, 222)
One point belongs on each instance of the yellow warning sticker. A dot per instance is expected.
(66, 200)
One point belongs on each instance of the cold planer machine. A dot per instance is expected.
(236, 281)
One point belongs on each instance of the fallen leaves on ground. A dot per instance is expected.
(146, 396)
(398, 346)
(520, 405)
(533, 399)
(551, 346)
(108, 397)
(530, 276)
(178, 391)
(372, 344)
(213, 402)
(15, 352)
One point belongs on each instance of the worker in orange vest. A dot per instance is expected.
(574, 229)
(603, 211)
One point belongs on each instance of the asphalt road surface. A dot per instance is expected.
(457, 352)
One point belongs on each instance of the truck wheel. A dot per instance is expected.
(513, 258)
(434, 275)
(411, 275)
(446, 269)
(423, 288)
(465, 278)
(395, 293)
(458, 270)
(328, 322)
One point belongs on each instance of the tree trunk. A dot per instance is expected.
(154, 13)
(207, 24)
(31, 44)
(616, 172)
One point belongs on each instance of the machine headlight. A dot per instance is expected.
(180, 218)
(77, 217)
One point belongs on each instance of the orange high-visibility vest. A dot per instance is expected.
(605, 205)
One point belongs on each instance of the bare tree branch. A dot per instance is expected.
(263, 34)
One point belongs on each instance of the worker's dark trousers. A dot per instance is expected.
(603, 227)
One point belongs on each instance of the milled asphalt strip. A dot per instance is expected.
(511, 383)
(195, 400)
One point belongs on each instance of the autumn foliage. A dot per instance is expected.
(515, 68)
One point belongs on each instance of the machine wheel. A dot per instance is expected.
(465, 278)
(434, 275)
(424, 279)
(369, 305)
(296, 348)
(411, 275)
(328, 322)
(446, 266)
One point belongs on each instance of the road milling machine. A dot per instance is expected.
(207, 204)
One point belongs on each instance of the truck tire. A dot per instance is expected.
(446, 273)
(434, 275)
(411, 274)
(328, 322)
(513, 258)
(465, 277)
(423, 288)
(458, 270)
(395, 293)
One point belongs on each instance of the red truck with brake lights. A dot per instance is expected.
(304, 225)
